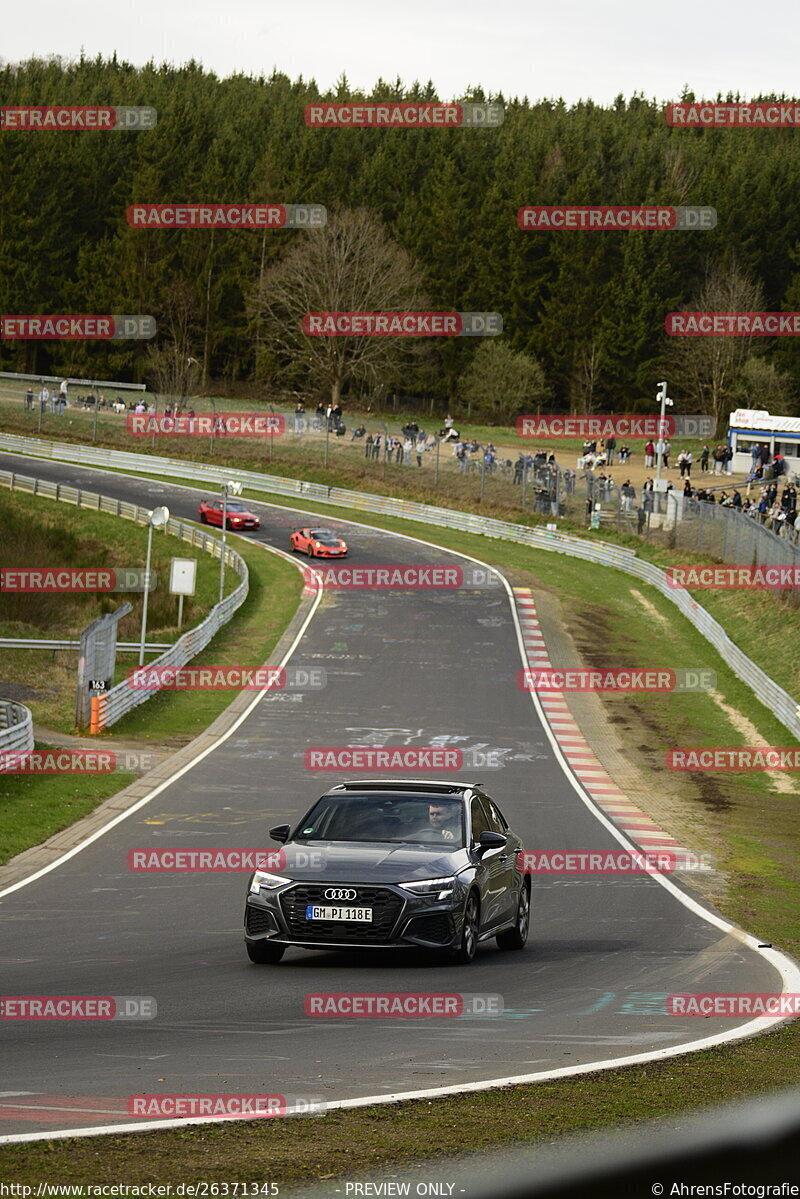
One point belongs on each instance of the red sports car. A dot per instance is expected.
(318, 543)
(238, 517)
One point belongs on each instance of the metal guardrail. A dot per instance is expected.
(16, 730)
(48, 643)
(73, 382)
(118, 701)
(779, 702)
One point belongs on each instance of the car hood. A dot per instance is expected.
(369, 862)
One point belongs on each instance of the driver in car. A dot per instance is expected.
(444, 819)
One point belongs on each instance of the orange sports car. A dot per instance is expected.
(318, 543)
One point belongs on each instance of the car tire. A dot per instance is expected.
(265, 953)
(516, 937)
(203, 518)
(469, 933)
(310, 551)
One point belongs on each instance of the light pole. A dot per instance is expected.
(39, 402)
(228, 489)
(663, 399)
(327, 435)
(156, 520)
(385, 447)
(438, 447)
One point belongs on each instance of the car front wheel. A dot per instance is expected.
(203, 518)
(469, 933)
(515, 938)
(264, 953)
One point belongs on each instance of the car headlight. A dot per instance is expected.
(434, 888)
(269, 882)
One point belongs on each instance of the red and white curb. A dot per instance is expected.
(595, 780)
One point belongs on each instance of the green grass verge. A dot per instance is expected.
(34, 808)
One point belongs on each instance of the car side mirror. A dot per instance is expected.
(280, 833)
(490, 840)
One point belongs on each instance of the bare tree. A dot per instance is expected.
(585, 375)
(170, 367)
(708, 369)
(351, 265)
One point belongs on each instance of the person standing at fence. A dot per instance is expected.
(62, 397)
(704, 459)
(44, 397)
(611, 445)
(649, 455)
(628, 493)
(28, 400)
(300, 417)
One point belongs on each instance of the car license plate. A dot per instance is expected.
(361, 915)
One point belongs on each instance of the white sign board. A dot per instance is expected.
(182, 576)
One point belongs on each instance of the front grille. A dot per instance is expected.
(437, 927)
(259, 921)
(385, 910)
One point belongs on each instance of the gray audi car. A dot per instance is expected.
(392, 864)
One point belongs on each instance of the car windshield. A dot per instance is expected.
(394, 819)
(325, 535)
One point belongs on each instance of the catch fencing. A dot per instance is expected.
(778, 701)
(110, 707)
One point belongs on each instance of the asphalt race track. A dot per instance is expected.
(419, 668)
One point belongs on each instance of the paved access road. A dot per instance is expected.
(403, 668)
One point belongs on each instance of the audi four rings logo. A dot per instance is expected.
(340, 893)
